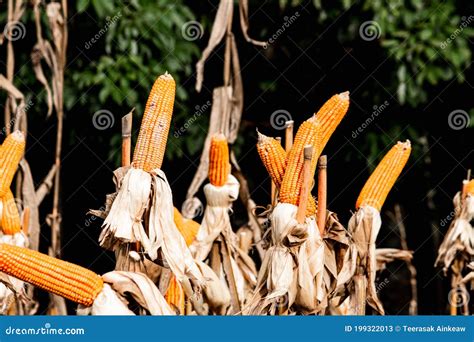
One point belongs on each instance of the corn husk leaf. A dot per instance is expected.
(216, 293)
(459, 240)
(216, 217)
(169, 239)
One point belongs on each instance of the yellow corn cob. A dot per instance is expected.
(10, 222)
(12, 151)
(151, 144)
(53, 275)
(273, 156)
(469, 187)
(187, 228)
(219, 166)
(175, 296)
(331, 114)
(383, 178)
(308, 134)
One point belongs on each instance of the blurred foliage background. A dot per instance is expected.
(407, 64)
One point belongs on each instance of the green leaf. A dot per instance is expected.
(82, 5)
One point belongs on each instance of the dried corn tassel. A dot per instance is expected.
(53, 275)
(330, 116)
(308, 134)
(12, 151)
(381, 181)
(151, 144)
(10, 222)
(219, 166)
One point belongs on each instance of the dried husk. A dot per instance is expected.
(123, 223)
(216, 293)
(459, 240)
(277, 278)
(384, 256)
(172, 243)
(216, 217)
(310, 291)
(124, 291)
(364, 227)
(13, 285)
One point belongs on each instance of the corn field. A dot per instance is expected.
(230, 237)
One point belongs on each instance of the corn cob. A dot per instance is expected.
(308, 134)
(331, 114)
(10, 222)
(151, 144)
(383, 178)
(175, 296)
(65, 279)
(187, 228)
(273, 157)
(219, 166)
(12, 151)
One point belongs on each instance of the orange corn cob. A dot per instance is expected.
(383, 178)
(175, 296)
(308, 134)
(331, 114)
(187, 228)
(63, 278)
(469, 187)
(12, 151)
(219, 166)
(151, 144)
(10, 222)
(273, 156)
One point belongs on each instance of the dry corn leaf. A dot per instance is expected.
(216, 217)
(384, 256)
